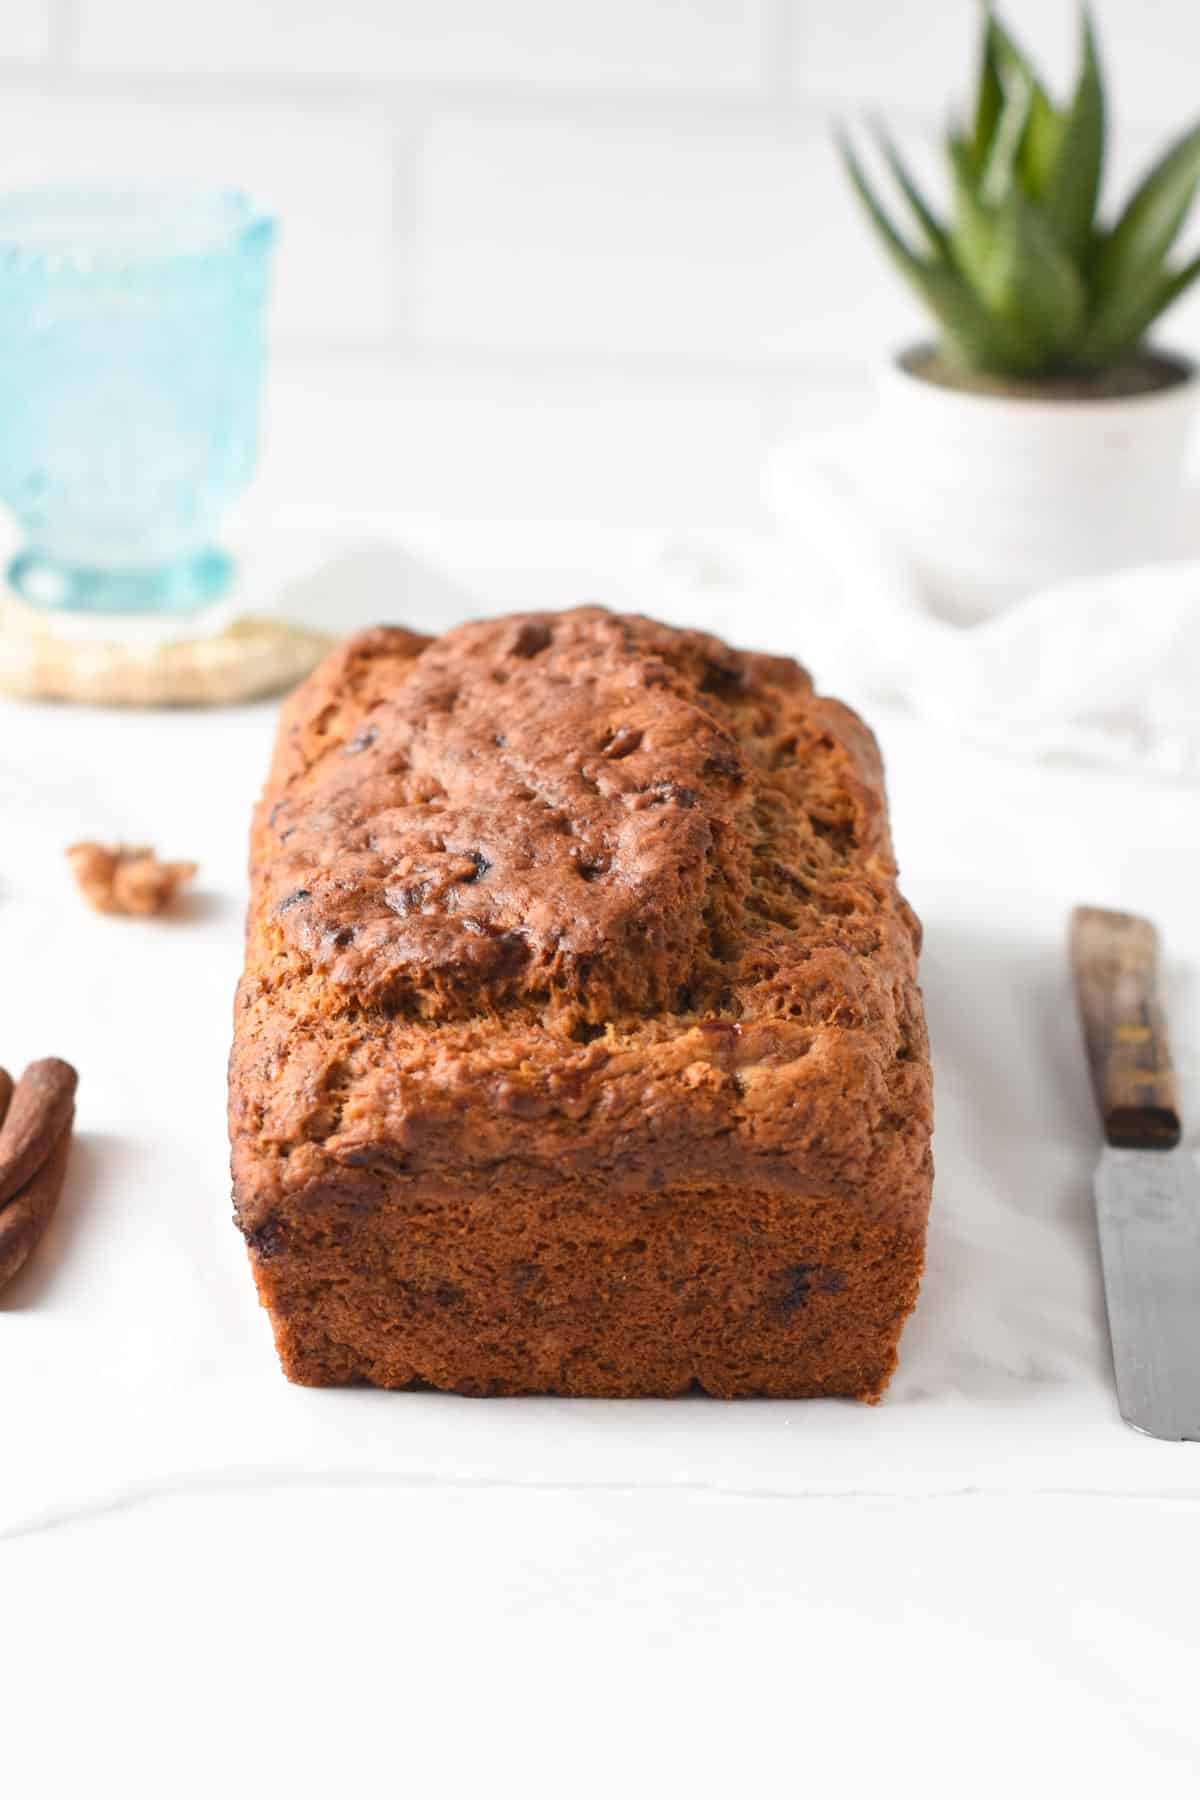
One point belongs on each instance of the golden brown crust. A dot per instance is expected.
(572, 904)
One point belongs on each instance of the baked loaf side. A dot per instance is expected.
(579, 1047)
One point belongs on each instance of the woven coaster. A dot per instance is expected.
(243, 659)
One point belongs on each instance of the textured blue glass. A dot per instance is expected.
(131, 359)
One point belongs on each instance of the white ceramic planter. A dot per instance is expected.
(995, 496)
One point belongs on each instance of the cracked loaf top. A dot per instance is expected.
(583, 891)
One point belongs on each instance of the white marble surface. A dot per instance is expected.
(570, 1597)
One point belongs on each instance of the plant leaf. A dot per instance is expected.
(1119, 326)
(989, 99)
(1041, 145)
(1170, 290)
(1043, 126)
(998, 175)
(1072, 185)
(984, 248)
(931, 225)
(1011, 60)
(1043, 287)
(971, 334)
(1151, 220)
(1014, 262)
(973, 223)
(898, 247)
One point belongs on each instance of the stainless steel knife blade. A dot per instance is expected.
(1147, 1189)
(1148, 1213)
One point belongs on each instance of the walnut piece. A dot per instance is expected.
(126, 878)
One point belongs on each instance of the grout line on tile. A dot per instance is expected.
(527, 102)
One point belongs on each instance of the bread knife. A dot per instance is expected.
(1147, 1189)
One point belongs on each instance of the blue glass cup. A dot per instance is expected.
(131, 361)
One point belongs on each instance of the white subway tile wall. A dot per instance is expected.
(594, 201)
(702, 237)
(668, 46)
(26, 31)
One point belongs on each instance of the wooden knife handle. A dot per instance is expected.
(1115, 960)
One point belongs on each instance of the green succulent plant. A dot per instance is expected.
(1022, 277)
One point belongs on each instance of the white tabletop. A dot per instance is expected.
(987, 1579)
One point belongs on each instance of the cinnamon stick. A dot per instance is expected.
(26, 1217)
(38, 1114)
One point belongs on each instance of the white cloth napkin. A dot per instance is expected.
(1105, 669)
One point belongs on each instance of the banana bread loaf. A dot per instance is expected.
(579, 1048)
